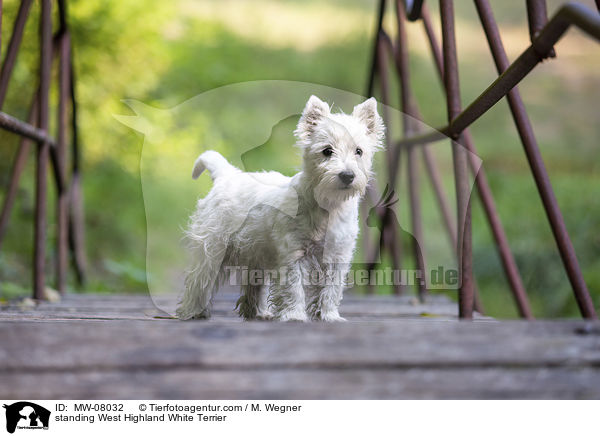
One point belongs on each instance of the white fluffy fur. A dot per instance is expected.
(299, 224)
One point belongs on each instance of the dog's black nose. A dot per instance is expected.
(346, 177)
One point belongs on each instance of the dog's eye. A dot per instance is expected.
(359, 151)
(328, 151)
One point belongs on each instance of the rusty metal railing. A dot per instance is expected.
(50, 151)
(544, 34)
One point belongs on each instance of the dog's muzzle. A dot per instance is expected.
(346, 177)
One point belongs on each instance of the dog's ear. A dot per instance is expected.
(314, 111)
(367, 113)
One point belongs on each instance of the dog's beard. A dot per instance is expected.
(330, 192)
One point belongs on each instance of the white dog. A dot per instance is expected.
(302, 229)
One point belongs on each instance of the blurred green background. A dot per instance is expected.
(163, 53)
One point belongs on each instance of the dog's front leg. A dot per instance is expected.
(287, 295)
(264, 311)
(326, 305)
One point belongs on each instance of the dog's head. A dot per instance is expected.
(339, 148)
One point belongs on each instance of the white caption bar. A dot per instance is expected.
(41, 418)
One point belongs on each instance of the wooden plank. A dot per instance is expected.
(231, 294)
(111, 346)
(307, 384)
(94, 299)
(76, 345)
(142, 307)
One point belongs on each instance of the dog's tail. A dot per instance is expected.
(212, 161)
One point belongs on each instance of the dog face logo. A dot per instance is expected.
(26, 415)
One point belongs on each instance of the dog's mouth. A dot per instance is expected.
(346, 187)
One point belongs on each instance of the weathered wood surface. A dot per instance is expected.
(95, 346)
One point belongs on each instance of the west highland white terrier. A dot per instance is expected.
(302, 230)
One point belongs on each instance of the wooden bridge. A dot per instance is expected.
(122, 347)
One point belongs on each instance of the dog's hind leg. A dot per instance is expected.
(197, 297)
(247, 304)
(253, 303)
(201, 283)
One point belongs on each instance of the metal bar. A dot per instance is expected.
(459, 154)
(508, 261)
(368, 245)
(537, 16)
(372, 255)
(19, 162)
(477, 304)
(371, 249)
(513, 75)
(13, 48)
(382, 68)
(433, 44)
(412, 9)
(1, 10)
(17, 169)
(401, 57)
(12, 124)
(390, 235)
(394, 152)
(39, 267)
(394, 245)
(435, 179)
(415, 219)
(76, 157)
(378, 27)
(76, 229)
(430, 162)
(436, 182)
(570, 14)
(62, 204)
(76, 218)
(530, 146)
(426, 151)
(433, 173)
(428, 137)
(62, 216)
(30, 131)
(62, 17)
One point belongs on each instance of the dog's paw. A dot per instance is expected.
(295, 315)
(332, 317)
(265, 316)
(186, 316)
